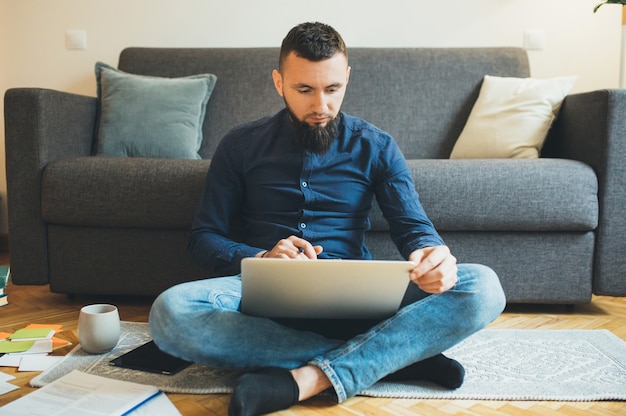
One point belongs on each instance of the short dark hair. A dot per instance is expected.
(313, 41)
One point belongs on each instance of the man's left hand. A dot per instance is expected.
(436, 270)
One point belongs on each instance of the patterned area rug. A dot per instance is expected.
(501, 364)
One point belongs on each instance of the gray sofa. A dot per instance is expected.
(553, 228)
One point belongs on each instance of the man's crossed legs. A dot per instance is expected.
(200, 321)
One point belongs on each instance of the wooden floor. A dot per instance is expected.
(35, 304)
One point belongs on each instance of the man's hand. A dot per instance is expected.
(293, 248)
(436, 270)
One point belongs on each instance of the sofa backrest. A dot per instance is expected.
(421, 96)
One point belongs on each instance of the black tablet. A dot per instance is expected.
(150, 358)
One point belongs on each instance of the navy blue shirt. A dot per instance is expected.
(262, 186)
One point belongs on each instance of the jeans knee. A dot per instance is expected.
(163, 319)
(486, 299)
(155, 319)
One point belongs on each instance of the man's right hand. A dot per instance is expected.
(293, 248)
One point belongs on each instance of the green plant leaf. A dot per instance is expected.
(622, 2)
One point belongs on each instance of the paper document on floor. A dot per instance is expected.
(78, 393)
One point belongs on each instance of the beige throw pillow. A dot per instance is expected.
(511, 117)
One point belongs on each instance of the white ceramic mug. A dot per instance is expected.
(98, 328)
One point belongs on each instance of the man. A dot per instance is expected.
(300, 185)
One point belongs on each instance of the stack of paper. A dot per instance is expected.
(78, 393)
(28, 348)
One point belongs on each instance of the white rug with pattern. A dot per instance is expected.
(501, 364)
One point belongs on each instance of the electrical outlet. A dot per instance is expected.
(534, 39)
(75, 39)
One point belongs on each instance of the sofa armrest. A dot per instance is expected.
(591, 127)
(40, 126)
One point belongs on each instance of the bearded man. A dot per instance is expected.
(299, 185)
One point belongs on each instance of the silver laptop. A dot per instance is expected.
(282, 288)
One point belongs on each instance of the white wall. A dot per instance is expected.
(33, 53)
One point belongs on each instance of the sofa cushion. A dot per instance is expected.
(142, 116)
(123, 192)
(511, 117)
(424, 101)
(458, 195)
(505, 195)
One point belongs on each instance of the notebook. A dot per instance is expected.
(341, 289)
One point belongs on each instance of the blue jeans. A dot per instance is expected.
(200, 321)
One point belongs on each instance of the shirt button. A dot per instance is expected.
(304, 184)
(302, 225)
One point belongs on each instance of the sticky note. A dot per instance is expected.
(56, 327)
(32, 333)
(15, 346)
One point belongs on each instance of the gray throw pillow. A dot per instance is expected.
(144, 116)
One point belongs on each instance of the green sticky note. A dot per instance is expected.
(15, 346)
(32, 334)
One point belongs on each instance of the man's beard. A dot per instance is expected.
(316, 138)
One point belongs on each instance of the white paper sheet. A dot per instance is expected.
(158, 406)
(37, 362)
(6, 377)
(4, 386)
(10, 360)
(81, 393)
(7, 387)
